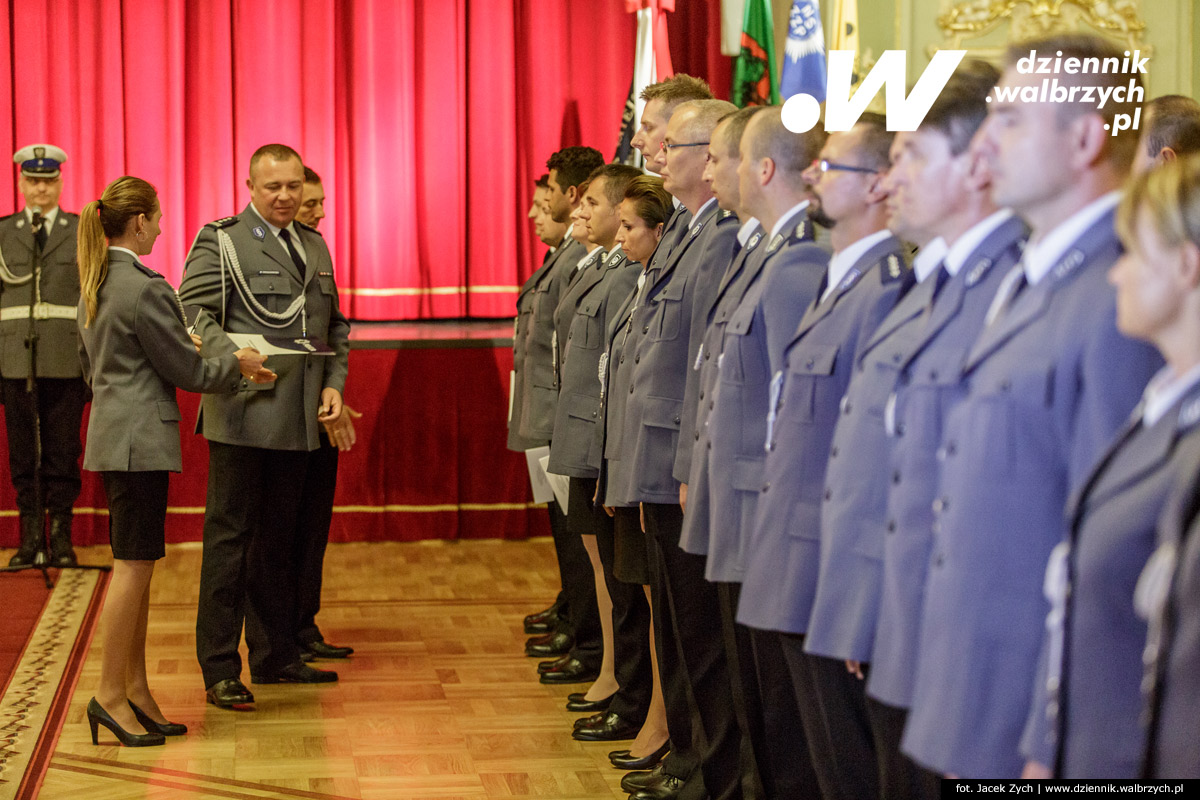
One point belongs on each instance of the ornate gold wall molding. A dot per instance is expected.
(965, 20)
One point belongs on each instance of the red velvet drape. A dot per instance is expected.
(427, 119)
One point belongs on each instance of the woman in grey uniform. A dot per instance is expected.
(135, 350)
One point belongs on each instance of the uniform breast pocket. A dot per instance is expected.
(668, 313)
(271, 290)
(737, 366)
(328, 287)
(587, 330)
(808, 368)
(168, 411)
(543, 304)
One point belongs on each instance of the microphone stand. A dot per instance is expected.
(41, 561)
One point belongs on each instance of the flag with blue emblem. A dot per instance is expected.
(804, 54)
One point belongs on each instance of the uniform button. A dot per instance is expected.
(940, 505)
(771, 446)
(708, 445)
(808, 364)
(569, 335)
(896, 476)
(706, 355)
(950, 449)
(891, 528)
(766, 486)
(677, 420)
(710, 405)
(595, 413)
(845, 404)
(697, 436)
(937, 562)
(646, 329)
(828, 494)
(900, 429)
(622, 359)
(701, 394)
(833, 451)
(637, 359)
(271, 287)
(631, 390)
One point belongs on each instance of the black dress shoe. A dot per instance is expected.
(297, 672)
(667, 789)
(571, 671)
(325, 650)
(228, 693)
(578, 702)
(556, 644)
(610, 729)
(165, 728)
(591, 719)
(635, 781)
(543, 621)
(547, 666)
(622, 759)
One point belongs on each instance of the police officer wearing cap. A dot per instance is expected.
(41, 233)
(262, 273)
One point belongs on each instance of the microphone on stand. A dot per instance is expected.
(38, 219)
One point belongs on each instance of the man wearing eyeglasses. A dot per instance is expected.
(864, 280)
(663, 344)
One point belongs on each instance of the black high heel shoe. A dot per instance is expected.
(165, 728)
(621, 759)
(96, 716)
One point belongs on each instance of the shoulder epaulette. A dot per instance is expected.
(225, 222)
(892, 269)
(146, 270)
(725, 214)
(7, 217)
(71, 214)
(307, 227)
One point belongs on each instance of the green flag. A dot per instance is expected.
(754, 80)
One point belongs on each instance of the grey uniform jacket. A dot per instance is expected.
(592, 299)
(736, 427)
(58, 337)
(539, 396)
(654, 408)
(1088, 699)
(1173, 670)
(133, 355)
(930, 386)
(618, 370)
(784, 547)
(517, 388)
(280, 415)
(1051, 381)
(854, 517)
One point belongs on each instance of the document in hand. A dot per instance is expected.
(282, 345)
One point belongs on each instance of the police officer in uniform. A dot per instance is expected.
(44, 232)
(262, 273)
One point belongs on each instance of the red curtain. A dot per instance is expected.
(427, 119)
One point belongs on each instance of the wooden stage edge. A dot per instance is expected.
(442, 333)
(438, 700)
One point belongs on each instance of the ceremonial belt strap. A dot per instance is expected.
(40, 311)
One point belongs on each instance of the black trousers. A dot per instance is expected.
(60, 406)
(248, 569)
(689, 614)
(630, 611)
(900, 777)
(582, 616)
(316, 515)
(776, 761)
(834, 716)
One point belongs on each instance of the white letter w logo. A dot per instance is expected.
(801, 112)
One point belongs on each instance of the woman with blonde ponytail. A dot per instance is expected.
(135, 350)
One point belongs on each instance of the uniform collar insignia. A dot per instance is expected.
(1189, 414)
(259, 233)
(1068, 265)
(776, 241)
(21, 222)
(614, 258)
(893, 265)
(750, 245)
(852, 276)
(977, 272)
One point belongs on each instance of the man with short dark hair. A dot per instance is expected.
(60, 389)
(262, 273)
(811, 367)
(1048, 382)
(312, 199)
(1170, 129)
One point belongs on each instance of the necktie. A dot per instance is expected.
(41, 236)
(287, 240)
(1013, 283)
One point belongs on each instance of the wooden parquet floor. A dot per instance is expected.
(438, 701)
